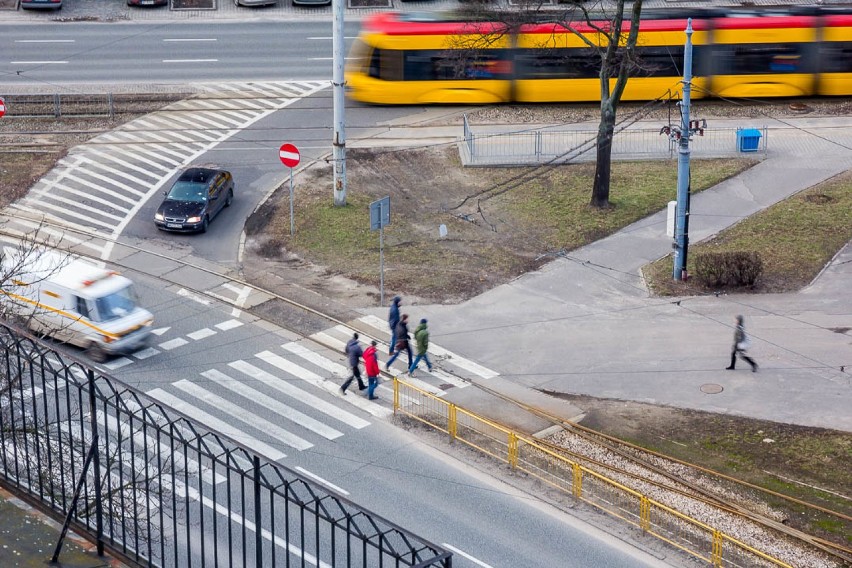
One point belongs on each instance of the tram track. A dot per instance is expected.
(645, 464)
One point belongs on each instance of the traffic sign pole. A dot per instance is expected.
(292, 220)
(289, 156)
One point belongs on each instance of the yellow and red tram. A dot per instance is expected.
(415, 59)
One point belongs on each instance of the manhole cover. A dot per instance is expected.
(711, 388)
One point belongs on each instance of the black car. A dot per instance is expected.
(194, 199)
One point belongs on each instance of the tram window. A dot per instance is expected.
(557, 64)
(446, 65)
(749, 59)
(658, 61)
(389, 64)
(836, 57)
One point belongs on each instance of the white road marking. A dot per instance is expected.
(173, 344)
(193, 297)
(201, 334)
(275, 406)
(190, 410)
(45, 41)
(190, 60)
(316, 359)
(319, 479)
(145, 353)
(466, 555)
(238, 412)
(230, 324)
(284, 386)
(191, 39)
(160, 330)
(37, 62)
(118, 363)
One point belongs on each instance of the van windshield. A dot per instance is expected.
(114, 306)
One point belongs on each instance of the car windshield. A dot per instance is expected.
(188, 191)
(115, 305)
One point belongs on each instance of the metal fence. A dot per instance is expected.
(162, 490)
(561, 146)
(525, 454)
(79, 105)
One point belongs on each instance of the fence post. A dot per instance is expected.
(716, 556)
(111, 103)
(258, 519)
(57, 108)
(99, 508)
(644, 513)
(452, 422)
(395, 395)
(538, 144)
(577, 485)
(513, 450)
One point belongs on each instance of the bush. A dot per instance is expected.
(728, 269)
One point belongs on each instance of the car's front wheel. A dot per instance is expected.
(205, 223)
(230, 198)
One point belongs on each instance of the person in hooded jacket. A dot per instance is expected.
(371, 366)
(421, 336)
(353, 352)
(402, 338)
(393, 321)
(741, 343)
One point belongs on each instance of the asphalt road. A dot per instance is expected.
(208, 52)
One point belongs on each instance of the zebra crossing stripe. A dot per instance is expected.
(190, 410)
(275, 406)
(192, 466)
(317, 359)
(261, 424)
(296, 393)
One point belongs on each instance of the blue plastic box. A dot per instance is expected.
(748, 139)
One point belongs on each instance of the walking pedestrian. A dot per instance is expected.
(353, 352)
(393, 321)
(421, 336)
(402, 338)
(741, 345)
(371, 367)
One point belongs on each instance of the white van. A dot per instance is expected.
(74, 301)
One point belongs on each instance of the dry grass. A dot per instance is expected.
(795, 238)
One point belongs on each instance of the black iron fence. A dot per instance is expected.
(162, 490)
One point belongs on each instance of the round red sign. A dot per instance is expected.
(2, 107)
(289, 155)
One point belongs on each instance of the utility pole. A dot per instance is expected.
(682, 135)
(339, 142)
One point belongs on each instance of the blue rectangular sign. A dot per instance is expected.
(380, 213)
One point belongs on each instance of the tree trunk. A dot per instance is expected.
(600, 190)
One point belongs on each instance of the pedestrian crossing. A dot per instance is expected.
(100, 185)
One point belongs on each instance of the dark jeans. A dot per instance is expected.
(417, 359)
(396, 354)
(356, 374)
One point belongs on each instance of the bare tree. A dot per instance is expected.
(614, 49)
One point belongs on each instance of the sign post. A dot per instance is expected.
(2, 107)
(379, 217)
(290, 157)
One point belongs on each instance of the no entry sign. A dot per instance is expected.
(2, 107)
(289, 155)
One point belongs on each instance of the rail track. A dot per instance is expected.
(644, 467)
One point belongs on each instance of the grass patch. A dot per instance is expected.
(795, 238)
(492, 238)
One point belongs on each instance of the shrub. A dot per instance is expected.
(728, 269)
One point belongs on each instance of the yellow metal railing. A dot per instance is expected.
(525, 454)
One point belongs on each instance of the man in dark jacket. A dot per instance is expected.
(353, 352)
(393, 321)
(421, 336)
(401, 341)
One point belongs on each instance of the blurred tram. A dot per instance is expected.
(427, 59)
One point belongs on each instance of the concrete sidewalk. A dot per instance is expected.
(28, 539)
(587, 325)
